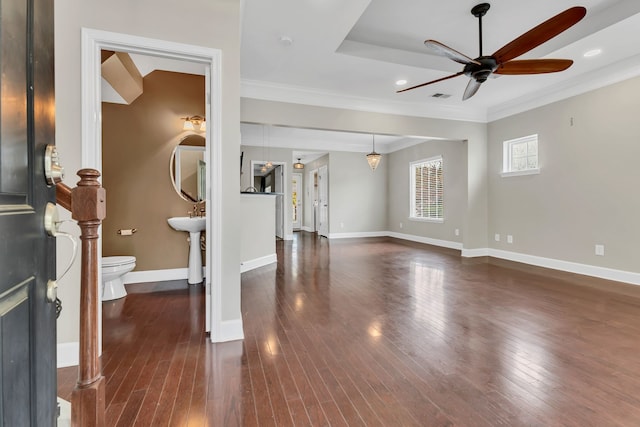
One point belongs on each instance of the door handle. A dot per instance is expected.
(53, 172)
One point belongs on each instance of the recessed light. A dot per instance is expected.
(401, 82)
(592, 52)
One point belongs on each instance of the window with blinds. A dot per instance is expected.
(427, 196)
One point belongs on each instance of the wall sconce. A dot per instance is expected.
(298, 165)
(194, 123)
(373, 158)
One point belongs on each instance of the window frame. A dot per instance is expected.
(507, 158)
(412, 189)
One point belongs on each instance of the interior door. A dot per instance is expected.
(323, 202)
(27, 255)
(296, 200)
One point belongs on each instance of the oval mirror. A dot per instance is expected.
(188, 168)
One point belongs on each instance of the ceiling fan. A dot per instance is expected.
(501, 62)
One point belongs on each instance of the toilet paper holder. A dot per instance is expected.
(127, 232)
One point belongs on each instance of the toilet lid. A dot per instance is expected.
(112, 261)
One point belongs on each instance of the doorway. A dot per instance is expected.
(94, 41)
(269, 177)
(296, 201)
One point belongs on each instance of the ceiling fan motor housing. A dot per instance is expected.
(481, 73)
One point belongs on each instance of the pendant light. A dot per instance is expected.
(373, 158)
(298, 165)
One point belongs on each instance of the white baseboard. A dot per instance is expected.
(68, 354)
(426, 240)
(252, 264)
(474, 253)
(309, 229)
(568, 266)
(358, 234)
(157, 275)
(230, 330)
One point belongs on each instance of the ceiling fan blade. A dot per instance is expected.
(472, 88)
(533, 66)
(443, 50)
(540, 34)
(433, 81)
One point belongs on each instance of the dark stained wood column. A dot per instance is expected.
(89, 209)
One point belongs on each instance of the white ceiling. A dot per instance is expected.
(349, 54)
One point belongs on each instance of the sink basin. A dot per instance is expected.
(193, 226)
(185, 223)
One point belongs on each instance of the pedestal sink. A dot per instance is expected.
(193, 226)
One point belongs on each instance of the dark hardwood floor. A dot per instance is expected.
(379, 332)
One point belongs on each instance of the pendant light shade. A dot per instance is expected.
(373, 158)
(298, 165)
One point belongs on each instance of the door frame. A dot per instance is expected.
(323, 190)
(299, 200)
(95, 40)
(279, 199)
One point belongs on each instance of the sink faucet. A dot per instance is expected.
(198, 210)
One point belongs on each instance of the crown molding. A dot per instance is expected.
(596, 79)
(299, 95)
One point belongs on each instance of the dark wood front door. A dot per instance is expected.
(27, 254)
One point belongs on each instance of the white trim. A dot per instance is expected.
(158, 275)
(231, 330)
(307, 228)
(577, 85)
(535, 171)
(427, 240)
(475, 253)
(252, 264)
(303, 95)
(68, 354)
(420, 219)
(568, 266)
(95, 40)
(359, 234)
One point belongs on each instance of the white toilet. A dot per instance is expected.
(113, 270)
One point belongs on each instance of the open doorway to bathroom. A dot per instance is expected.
(208, 61)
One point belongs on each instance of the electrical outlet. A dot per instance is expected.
(496, 237)
(457, 232)
(600, 250)
(509, 238)
(401, 225)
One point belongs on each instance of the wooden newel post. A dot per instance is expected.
(89, 209)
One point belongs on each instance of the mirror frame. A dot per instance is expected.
(174, 166)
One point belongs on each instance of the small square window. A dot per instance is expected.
(520, 156)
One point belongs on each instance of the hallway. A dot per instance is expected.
(380, 332)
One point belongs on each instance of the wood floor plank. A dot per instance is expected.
(378, 332)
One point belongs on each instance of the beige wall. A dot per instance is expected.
(454, 157)
(215, 25)
(305, 116)
(137, 144)
(357, 195)
(257, 235)
(586, 192)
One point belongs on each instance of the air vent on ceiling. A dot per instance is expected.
(440, 95)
